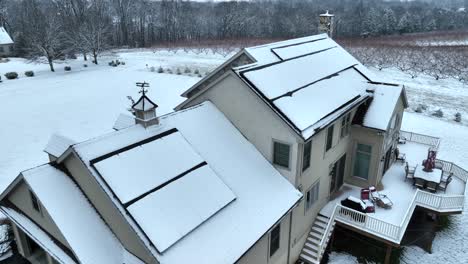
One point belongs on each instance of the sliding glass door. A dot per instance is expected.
(362, 161)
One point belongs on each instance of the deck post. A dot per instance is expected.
(388, 254)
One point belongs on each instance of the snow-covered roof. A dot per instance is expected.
(57, 145)
(123, 121)
(5, 37)
(383, 104)
(309, 89)
(37, 235)
(144, 104)
(263, 54)
(309, 82)
(48, 183)
(231, 196)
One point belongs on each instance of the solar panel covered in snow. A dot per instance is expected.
(134, 171)
(170, 213)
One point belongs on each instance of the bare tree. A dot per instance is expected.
(43, 31)
(95, 34)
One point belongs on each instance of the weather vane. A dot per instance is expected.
(143, 85)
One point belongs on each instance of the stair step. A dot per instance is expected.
(321, 224)
(309, 259)
(311, 246)
(322, 219)
(318, 229)
(310, 253)
(315, 235)
(313, 240)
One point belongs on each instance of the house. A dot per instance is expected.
(157, 191)
(6, 43)
(330, 127)
(250, 168)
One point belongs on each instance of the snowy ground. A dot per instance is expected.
(449, 95)
(84, 103)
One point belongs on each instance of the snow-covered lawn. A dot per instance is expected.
(84, 103)
(449, 95)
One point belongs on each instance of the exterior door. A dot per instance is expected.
(341, 172)
(337, 174)
(388, 158)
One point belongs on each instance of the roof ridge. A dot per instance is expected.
(286, 60)
(282, 41)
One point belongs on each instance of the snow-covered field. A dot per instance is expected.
(84, 103)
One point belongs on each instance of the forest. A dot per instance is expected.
(54, 29)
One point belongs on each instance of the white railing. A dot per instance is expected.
(455, 170)
(326, 233)
(392, 232)
(367, 223)
(420, 138)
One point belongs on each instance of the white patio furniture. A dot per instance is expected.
(444, 184)
(409, 171)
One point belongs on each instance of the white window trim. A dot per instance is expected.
(332, 138)
(307, 207)
(354, 161)
(273, 154)
(347, 125)
(310, 157)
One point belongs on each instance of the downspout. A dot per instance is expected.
(289, 239)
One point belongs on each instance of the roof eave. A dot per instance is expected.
(212, 73)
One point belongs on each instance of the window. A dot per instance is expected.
(35, 202)
(345, 125)
(306, 155)
(281, 154)
(329, 138)
(312, 196)
(275, 239)
(362, 162)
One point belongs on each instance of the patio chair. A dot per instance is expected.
(419, 183)
(445, 176)
(381, 200)
(409, 170)
(400, 156)
(431, 186)
(401, 140)
(443, 185)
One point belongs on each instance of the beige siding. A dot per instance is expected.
(108, 210)
(391, 137)
(319, 171)
(21, 198)
(254, 119)
(373, 138)
(259, 253)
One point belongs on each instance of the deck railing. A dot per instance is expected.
(392, 232)
(367, 223)
(455, 170)
(328, 230)
(434, 142)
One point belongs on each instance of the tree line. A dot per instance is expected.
(55, 28)
(415, 55)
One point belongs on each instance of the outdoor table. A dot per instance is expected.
(434, 176)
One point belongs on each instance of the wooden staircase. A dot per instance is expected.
(311, 251)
